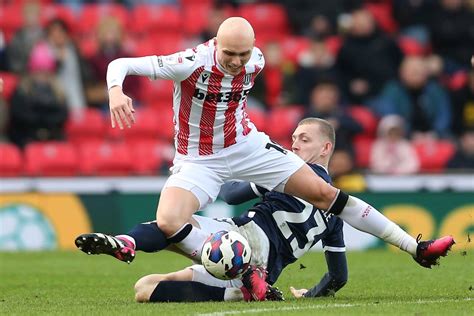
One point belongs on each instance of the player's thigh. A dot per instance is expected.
(202, 276)
(176, 206)
(265, 163)
(199, 178)
(305, 184)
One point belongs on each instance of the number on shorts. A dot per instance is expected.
(276, 147)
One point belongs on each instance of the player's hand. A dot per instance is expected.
(298, 293)
(472, 61)
(121, 108)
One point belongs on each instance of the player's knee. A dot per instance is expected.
(143, 290)
(168, 225)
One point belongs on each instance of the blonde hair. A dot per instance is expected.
(326, 129)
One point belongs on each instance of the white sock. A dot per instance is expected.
(193, 242)
(233, 294)
(366, 218)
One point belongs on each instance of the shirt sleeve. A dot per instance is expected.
(237, 192)
(334, 242)
(176, 67)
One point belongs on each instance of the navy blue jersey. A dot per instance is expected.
(293, 226)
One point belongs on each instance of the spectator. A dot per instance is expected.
(392, 153)
(217, 14)
(25, 38)
(3, 52)
(410, 14)
(314, 64)
(341, 164)
(423, 103)
(301, 13)
(69, 63)
(275, 88)
(452, 34)
(110, 47)
(464, 156)
(4, 116)
(325, 103)
(37, 110)
(367, 59)
(463, 107)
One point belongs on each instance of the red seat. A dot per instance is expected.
(186, 3)
(11, 160)
(362, 149)
(150, 157)
(105, 159)
(53, 11)
(10, 81)
(258, 118)
(11, 19)
(157, 92)
(364, 117)
(146, 127)
(86, 127)
(196, 17)
(411, 46)
(157, 45)
(155, 19)
(266, 18)
(282, 121)
(293, 46)
(166, 123)
(51, 159)
(92, 14)
(382, 13)
(434, 155)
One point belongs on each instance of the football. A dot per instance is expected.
(226, 255)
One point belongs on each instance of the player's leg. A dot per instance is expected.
(362, 216)
(175, 287)
(192, 284)
(191, 187)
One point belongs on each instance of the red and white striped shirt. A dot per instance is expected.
(209, 104)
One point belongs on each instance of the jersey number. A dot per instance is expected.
(282, 218)
(276, 147)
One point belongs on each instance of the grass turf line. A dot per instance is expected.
(380, 282)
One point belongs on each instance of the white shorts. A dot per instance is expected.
(255, 159)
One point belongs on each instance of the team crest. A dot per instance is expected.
(247, 79)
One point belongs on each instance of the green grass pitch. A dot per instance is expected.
(380, 283)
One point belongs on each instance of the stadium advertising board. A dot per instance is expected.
(37, 221)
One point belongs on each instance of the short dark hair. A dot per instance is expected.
(325, 127)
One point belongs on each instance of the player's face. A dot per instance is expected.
(306, 143)
(233, 56)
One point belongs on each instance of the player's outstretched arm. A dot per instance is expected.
(237, 192)
(332, 281)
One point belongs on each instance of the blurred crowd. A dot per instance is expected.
(392, 76)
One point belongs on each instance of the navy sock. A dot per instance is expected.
(148, 237)
(186, 291)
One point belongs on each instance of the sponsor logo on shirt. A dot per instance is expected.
(160, 62)
(235, 96)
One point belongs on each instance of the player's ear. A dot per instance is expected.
(327, 149)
